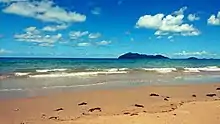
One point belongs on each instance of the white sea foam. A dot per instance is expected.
(21, 74)
(4, 90)
(206, 69)
(75, 74)
(50, 70)
(161, 70)
(72, 86)
(191, 70)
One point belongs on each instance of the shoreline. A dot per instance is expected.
(84, 106)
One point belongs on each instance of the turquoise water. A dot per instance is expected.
(21, 77)
(11, 65)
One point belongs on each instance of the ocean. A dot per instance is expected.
(29, 77)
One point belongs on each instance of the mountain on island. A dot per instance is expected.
(140, 56)
(192, 58)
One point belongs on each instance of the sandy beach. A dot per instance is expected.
(174, 104)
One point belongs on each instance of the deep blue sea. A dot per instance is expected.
(33, 76)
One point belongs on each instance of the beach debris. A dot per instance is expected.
(53, 118)
(95, 109)
(126, 113)
(133, 114)
(211, 94)
(85, 113)
(82, 103)
(193, 95)
(218, 88)
(17, 109)
(59, 109)
(174, 114)
(138, 105)
(173, 108)
(43, 116)
(166, 99)
(154, 94)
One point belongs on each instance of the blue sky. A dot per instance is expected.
(108, 28)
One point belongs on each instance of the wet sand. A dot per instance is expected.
(173, 104)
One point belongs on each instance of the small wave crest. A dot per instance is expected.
(21, 74)
(161, 70)
(51, 70)
(80, 74)
(204, 69)
(50, 73)
(4, 90)
(72, 86)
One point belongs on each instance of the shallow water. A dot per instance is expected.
(32, 77)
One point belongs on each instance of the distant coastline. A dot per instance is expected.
(128, 55)
(131, 55)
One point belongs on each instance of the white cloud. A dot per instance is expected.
(77, 34)
(193, 17)
(103, 43)
(9, 1)
(32, 30)
(148, 21)
(46, 45)
(84, 44)
(200, 53)
(159, 37)
(180, 11)
(3, 51)
(96, 11)
(169, 37)
(160, 33)
(214, 19)
(33, 35)
(53, 28)
(44, 10)
(167, 24)
(94, 35)
(192, 33)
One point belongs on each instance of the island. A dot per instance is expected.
(140, 56)
(192, 58)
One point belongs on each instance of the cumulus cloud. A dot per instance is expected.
(214, 19)
(103, 43)
(167, 24)
(193, 17)
(77, 34)
(32, 34)
(3, 51)
(53, 28)
(45, 10)
(96, 11)
(9, 1)
(180, 11)
(83, 44)
(94, 35)
(200, 53)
